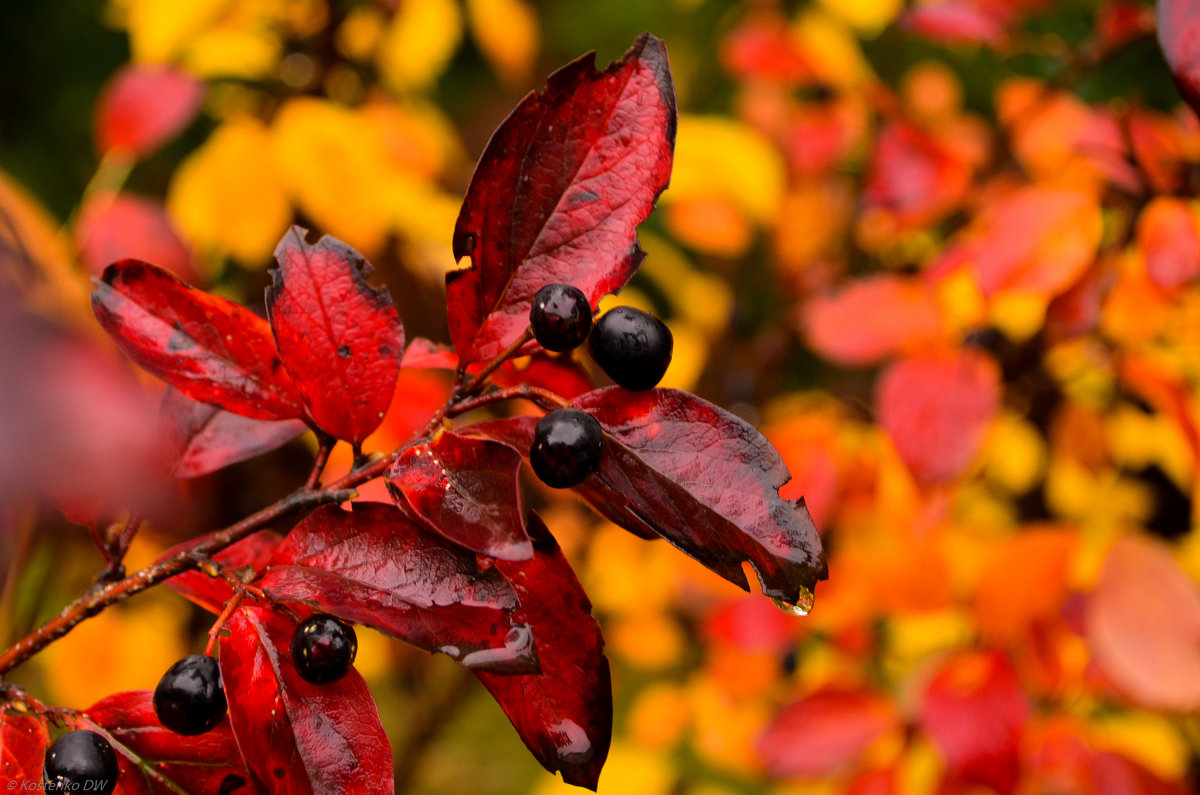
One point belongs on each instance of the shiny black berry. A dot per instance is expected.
(189, 698)
(561, 317)
(81, 761)
(566, 447)
(632, 346)
(323, 648)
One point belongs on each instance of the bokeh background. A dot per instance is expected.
(945, 254)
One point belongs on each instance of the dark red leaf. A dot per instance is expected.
(681, 468)
(558, 193)
(340, 338)
(564, 714)
(299, 737)
(1179, 37)
(465, 489)
(115, 226)
(824, 732)
(422, 353)
(207, 438)
(211, 593)
(375, 566)
(975, 711)
(22, 749)
(937, 408)
(157, 761)
(209, 348)
(143, 107)
(562, 375)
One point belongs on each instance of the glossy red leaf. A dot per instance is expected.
(209, 348)
(299, 737)
(465, 488)
(207, 438)
(144, 106)
(156, 761)
(340, 338)
(564, 714)
(427, 354)
(1143, 626)
(937, 408)
(975, 712)
(115, 226)
(252, 552)
(558, 193)
(681, 468)
(824, 732)
(376, 566)
(22, 749)
(1179, 37)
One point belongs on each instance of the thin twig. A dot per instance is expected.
(325, 444)
(480, 378)
(214, 631)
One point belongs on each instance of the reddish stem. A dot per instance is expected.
(476, 383)
(325, 445)
(214, 632)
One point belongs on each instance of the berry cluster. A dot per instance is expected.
(631, 346)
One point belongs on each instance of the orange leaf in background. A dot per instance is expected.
(975, 712)
(1168, 233)
(1024, 582)
(1034, 240)
(122, 226)
(1158, 145)
(824, 732)
(871, 319)
(915, 177)
(1135, 310)
(937, 408)
(809, 445)
(753, 624)
(1143, 625)
(143, 106)
(1166, 392)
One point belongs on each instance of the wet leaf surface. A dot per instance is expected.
(375, 566)
(299, 737)
(564, 714)
(465, 489)
(340, 338)
(558, 193)
(22, 749)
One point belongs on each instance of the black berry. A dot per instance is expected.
(81, 761)
(189, 698)
(323, 648)
(566, 447)
(632, 346)
(561, 317)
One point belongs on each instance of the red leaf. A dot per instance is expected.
(873, 318)
(562, 375)
(558, 193)
(22, 749)
(376, 566)
(209, 348)
(465, 489)
(298, 737)
(975, 712)
(1168, 233)
(914, 177)
(115, 226)
(1179, 37)
(207, 438)
(157, 761)
(937, 408)
(1143, 626)
(211, 593)
(143, 107)
(564, 714)
(681, 468)
(422, 353)
(1114, 774)
(823, 732)
(340, 337)
(958, 22)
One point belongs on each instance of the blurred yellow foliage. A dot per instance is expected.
(418, 43)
